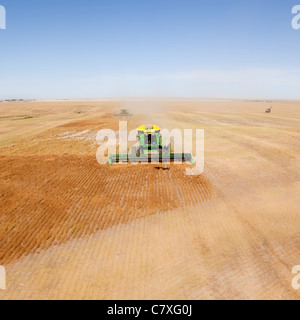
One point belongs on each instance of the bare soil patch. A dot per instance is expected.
(49, 200)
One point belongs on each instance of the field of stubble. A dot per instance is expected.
(73, 229)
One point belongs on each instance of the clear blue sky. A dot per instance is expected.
(172, 48)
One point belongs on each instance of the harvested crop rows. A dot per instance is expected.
(71, 228)
(62, 198)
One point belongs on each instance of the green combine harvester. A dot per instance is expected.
(150, 149)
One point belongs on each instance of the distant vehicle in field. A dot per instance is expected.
(124, 113)
(269, 110)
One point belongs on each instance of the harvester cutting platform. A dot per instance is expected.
(150, 149)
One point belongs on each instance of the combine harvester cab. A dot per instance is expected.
(150, 149)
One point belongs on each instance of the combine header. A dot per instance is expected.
(150, 149)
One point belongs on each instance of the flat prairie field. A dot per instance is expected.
(71, 228)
